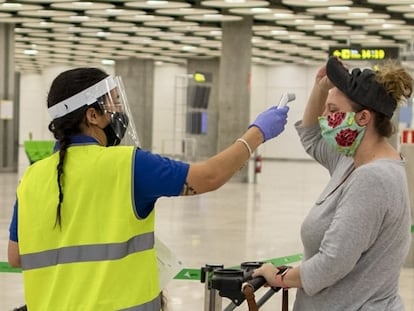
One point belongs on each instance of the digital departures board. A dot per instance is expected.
(364, 53)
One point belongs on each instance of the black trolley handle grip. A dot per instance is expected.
(256, 283)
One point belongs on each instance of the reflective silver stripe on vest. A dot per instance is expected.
(154, 305)
(82, 253)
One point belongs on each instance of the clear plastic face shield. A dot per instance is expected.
(121, 129)
(110, 94)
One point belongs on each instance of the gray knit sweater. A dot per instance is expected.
(357, 234)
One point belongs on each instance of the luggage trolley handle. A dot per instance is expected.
(255, 283)
(237, 285)
(229, 282)
(251, 286)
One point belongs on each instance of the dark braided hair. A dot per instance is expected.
(65, 85)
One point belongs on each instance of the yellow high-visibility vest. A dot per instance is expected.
(102, 257)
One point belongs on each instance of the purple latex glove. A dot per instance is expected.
(271, 122)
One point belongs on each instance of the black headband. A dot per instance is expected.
(361, 87)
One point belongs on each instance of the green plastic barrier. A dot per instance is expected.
(38, 149)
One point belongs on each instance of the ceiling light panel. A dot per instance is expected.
(82, 5)
(278, 17)
(211, 44)
(282, 34)
(409, 15)
(107, 35)
(197, 29)
(192, 39)
(45, 13)
(374, 21)
(170, 24)
(386, 26)
(159, 44)
(43, 24)
(390, 2)
(260, 11)
(313, 3)
(305, 22)
(401, 8)
(235, 3)
(114, 12)
(315, 27)
(407, 33)
(213, 18)
(140, 40)
(17, 7)
(185, 11)
(212, 34)
(140, 18)
(350, 11)
(77, 19)
(49, 36)
(76, 30)
(138, 30)
(355, 18)
(23, 30)
(157, 4)
(17, 20)
(107, 24)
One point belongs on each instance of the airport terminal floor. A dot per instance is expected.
(239, 222)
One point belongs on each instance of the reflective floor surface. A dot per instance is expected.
(239, 222)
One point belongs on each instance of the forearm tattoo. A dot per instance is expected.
(188, 190)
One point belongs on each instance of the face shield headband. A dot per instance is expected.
(111, 96)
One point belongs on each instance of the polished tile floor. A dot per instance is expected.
(237, 223)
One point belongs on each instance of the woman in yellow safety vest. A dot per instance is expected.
(83, 222)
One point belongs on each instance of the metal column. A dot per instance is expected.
(9, 114)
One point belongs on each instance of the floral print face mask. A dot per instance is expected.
(341, 130)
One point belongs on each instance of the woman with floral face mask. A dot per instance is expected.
(357, 234)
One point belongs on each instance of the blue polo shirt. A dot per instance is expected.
(154, 177)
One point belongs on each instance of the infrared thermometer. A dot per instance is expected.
(286, 98)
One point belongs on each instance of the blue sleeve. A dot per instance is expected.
(154, 177)
(13, 225)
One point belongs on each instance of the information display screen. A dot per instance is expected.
(364, 53)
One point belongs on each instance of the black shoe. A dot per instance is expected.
(22, 308)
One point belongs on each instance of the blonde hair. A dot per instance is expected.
(396, 80)
(398, 83)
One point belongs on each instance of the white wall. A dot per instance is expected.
(268, 85)
(169, 108)
(33, 116)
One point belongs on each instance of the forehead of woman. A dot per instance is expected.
(337, 100)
